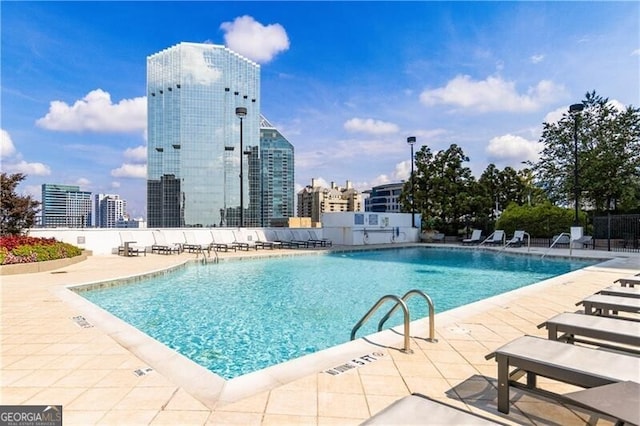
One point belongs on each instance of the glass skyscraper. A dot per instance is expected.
(193, 152)
(278, 185)
(65, 205)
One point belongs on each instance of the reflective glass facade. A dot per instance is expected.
(278, 185)
(65, 205)
(193, 149)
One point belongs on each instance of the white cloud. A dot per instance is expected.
(137, 154)
(536, 59)
(556, 115)
(6, 144)
(257, 42)
(635, 52)
(96, 113)
(83, 182)
(492, 94)
(136, 171)
(513, 149)
(30, 169)
(115, 184)
(370, 126)
(195, 67)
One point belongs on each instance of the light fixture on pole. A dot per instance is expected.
(241, 113)
(411, 140)
(574, 110)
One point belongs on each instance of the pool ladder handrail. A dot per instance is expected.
(430, 305)
(564, 234)
(400, 302)
(205, 257)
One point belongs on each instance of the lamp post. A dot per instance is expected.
(574, 110)
(411, 140)
(241, 113)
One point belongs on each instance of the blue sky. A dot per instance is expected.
(345, 82)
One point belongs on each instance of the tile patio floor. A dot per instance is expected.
(48, 359)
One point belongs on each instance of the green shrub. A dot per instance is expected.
(540, 221)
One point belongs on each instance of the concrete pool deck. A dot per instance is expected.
(103, 372)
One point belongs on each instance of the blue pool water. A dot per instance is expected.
(241, 316)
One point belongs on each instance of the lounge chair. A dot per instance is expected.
(161, 246)
(584, 241)
(243, 242)
(219, 245)
(621, 291)
(192, 245)
(600, 304)
(619, 400)
(630, 281)
(302, 241)
(129, 246)
(322, 242)
(418, 409)
(567, 326)
(576, 365)
(476, 235)
(516, 240)
(264, 243)
(496, 238)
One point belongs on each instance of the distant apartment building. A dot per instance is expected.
(278, 178)
(194, 153)
(65, 206)
(313, 200)
(384, 198)
(110, 209)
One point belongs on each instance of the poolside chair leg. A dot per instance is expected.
(531, 380)
(503, 383)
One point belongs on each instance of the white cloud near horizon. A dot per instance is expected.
(97, 113)
(127, 170)
(12, 161)
(370, 126)
(513, 149)
(492, 94)
(260, 43)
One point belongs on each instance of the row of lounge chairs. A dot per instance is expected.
(498, 237)
(224, 240)
(606, 363)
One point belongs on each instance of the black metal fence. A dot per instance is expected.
(617, 232)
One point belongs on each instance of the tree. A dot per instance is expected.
(442, 187)
(608, 156)
(17, 213)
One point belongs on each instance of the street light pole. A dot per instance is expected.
(241, 113)
(574, 110)
(411, 140)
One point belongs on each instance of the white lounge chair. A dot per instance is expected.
(630, 281)
(600, 304)
(615, 290)
(244, 242)
(497, 238)
(576, 365)
(129, 246)
(418, 409)
(161, 246)
(516, 240)
(476, 235)
(600, 331)
(192, 245)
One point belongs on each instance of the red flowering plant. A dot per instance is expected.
(23, 249)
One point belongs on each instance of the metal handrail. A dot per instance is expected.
(556, 240)
(525, 234)
(432, 310)
(407, 341)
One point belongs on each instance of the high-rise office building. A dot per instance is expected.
(384, 198)
(110, 210)
(65, 205)
(314, 200)
(194, 136)
(278, 184)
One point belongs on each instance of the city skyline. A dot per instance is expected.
(345, 82)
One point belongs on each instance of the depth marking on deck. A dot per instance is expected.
(354, 363)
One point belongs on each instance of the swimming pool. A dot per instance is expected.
(236, 317)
